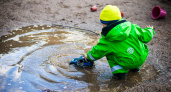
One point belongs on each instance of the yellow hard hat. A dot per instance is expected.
(110, 13)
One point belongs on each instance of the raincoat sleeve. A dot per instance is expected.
(145, 35)
(98, 51)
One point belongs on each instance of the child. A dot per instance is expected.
(122, 42)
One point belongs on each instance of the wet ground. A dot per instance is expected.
(37, 58)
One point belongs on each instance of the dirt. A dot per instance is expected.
(76, 13)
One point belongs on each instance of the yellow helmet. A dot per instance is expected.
(110, 13)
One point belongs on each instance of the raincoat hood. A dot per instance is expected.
(117, 31)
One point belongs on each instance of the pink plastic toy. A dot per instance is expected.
(157, 12)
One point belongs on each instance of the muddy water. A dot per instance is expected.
(35, 58)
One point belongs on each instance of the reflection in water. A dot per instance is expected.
(35, 58)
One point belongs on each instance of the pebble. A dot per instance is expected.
(9, 84)
(20, 87)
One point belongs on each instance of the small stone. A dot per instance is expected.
(9, 84)
(20, 87)
(3, 87)
(65, 87)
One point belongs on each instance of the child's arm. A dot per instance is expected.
(145, 35)
(98, 51)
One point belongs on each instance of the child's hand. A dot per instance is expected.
(150, 26)
(85, 56)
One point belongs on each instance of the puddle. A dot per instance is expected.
(35, 58)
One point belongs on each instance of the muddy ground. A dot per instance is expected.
(76, 13)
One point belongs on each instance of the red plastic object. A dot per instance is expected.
(122, 14)
(94, 8)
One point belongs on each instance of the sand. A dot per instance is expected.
(76, 13)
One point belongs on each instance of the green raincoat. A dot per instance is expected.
(124, 46)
